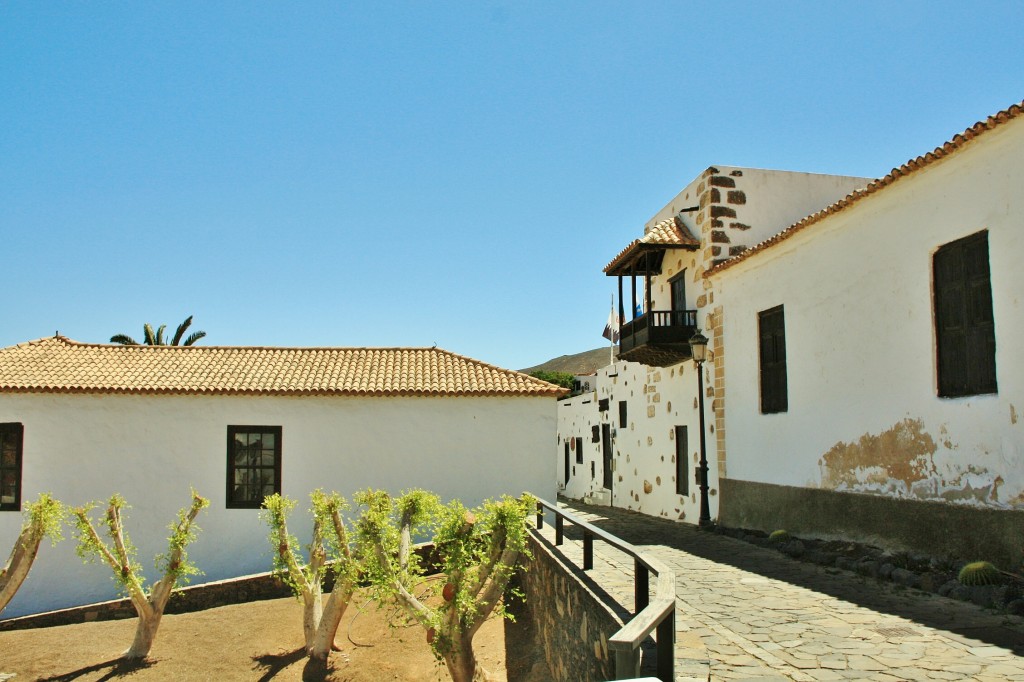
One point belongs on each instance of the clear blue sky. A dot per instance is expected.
(404, 174)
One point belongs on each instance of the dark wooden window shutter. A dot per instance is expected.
(772, 332)
(964, 325)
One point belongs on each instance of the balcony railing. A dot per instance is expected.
(658, 336)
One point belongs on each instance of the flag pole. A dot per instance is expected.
(611, 337)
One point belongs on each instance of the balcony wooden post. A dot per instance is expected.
(632, 286)
(622, 308)
(647, 285)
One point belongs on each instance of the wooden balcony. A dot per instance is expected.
(658, 337)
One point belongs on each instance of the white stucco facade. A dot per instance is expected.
(857, 292)
(152, 448)
(657, 401)
(729, 209)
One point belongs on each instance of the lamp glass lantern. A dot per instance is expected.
(699, 347)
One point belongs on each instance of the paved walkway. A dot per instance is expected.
(750, 613)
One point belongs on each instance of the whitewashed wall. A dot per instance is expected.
(860, 341)
(658, 399)
(576, 417)
(772, 199)
(152, 448)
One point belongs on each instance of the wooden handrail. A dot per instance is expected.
(648, 615)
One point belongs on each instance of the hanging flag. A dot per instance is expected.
(611, 328)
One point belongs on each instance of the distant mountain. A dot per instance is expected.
(586, 362)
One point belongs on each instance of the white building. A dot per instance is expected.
(897, 312)
(861, 380)
(84, 421)
(634, 441)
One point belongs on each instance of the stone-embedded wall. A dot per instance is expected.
(571, 623)
(195, 598)
(934, 528)
(725, 232)
(722, 232)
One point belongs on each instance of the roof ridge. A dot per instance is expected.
(92, 344)
(59, 364)
(943, 151)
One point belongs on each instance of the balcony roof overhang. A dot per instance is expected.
(644, 256)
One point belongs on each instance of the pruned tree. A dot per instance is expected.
(478, 552)
(328, 550)
(174, 566)
(42, 518)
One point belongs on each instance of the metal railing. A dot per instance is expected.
(648, 615)
(660, 318)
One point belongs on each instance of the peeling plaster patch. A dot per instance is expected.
(902, 453)
(1013, 414)
(899, 462)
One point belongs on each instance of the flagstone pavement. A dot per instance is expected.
(749, 613)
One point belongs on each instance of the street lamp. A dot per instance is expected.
(699, 352)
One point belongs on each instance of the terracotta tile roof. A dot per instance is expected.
(958, 142)
(60, 365)
(670, 232)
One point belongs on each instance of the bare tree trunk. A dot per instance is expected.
(22, 555)
(312, 611)
(337, 604)
(145, 635)
(462, 664)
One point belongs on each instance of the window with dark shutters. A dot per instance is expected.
(964, 327)
(682, 473)
(11, 436)
(772, 332)
(579, 451)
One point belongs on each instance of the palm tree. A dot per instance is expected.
(157, 339)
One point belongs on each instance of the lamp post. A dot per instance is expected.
(699, 352)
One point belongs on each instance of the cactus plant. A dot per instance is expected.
(979, 573)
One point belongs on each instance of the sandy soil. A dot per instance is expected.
(257, 641)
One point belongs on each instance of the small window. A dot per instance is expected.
(964, 327)
(772, 332)
(622, 414)
(682, 473)
(579, 451)
(565, 463)
(254, 465)
(595, 434)
(10, 466)
(602, 405)
(677, 289)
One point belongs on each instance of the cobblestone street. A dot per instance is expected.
(749, 613)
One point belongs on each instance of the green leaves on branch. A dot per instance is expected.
(118, 553)
(478, 551)
(328, 547)
(563, 379)
(42, 518)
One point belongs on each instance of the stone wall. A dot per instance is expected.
(938, 529)
(196, 598)
(246, 588)
(571, 623)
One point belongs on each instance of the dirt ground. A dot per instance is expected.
(258, 641)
